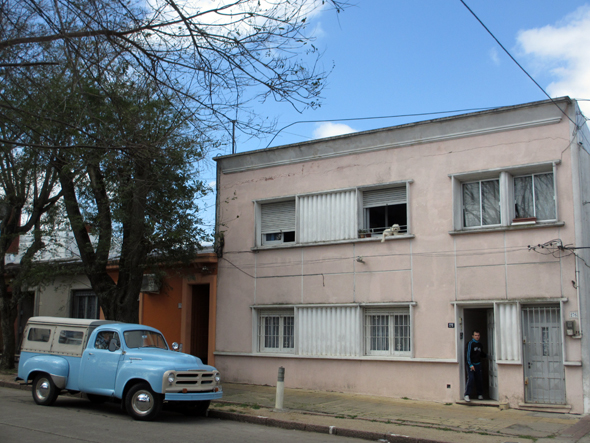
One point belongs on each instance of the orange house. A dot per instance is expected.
(183, 306)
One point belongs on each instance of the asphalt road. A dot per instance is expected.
(72, 419)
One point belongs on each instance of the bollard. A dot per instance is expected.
(280, 389)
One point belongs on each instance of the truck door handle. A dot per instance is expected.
(90, 353)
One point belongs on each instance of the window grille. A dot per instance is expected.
(387, 331)
(277, 331)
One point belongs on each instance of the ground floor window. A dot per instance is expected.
(387, 331)
(347, 330)
(84, 304)
(277, 330)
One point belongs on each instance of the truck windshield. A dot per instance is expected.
(144, 339)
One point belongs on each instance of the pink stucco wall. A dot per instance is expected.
(433, 268)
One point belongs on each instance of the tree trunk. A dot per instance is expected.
(9, 313)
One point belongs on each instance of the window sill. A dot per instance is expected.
(509, 228)
(328, 357)
(336, 242)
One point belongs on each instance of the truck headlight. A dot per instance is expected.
(171, 378)
(217, 379)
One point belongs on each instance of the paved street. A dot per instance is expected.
(77, 420)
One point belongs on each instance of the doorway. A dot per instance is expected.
(544, 375)
(482, 320)
(200, 322)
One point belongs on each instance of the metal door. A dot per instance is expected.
(492, 365)
(544, 376)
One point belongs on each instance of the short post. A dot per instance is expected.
(280, 389)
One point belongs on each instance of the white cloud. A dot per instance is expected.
(332, 129)
(212, 184)
(563, 50)
(494, 56)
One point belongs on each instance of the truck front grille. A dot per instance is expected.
(192, 381)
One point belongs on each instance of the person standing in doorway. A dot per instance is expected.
(473, 356)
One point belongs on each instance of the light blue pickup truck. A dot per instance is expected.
(107, 360)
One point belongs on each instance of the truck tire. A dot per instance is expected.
(142, 403)
(44, 390)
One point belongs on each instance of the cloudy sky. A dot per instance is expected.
(400, 57)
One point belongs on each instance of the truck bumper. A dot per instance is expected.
(195, 396)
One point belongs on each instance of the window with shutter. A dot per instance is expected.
(384, 208)
(278, 222)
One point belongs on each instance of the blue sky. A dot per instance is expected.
(396, 57)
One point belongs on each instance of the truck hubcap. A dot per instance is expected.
(43, 389)
(142, 402)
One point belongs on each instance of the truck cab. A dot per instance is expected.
(109, 360)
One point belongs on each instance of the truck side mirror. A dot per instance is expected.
(113, 345)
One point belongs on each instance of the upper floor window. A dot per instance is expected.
(534, 196)
(278, 222)
(481, 203)
(332, 216)
(523, 194)
(384, 208)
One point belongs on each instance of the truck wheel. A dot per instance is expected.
(142, 403)
(44, 390)
(196, 408)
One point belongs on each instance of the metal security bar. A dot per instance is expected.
(543, 358)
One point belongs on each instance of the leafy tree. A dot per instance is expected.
(135, 90)
(28, 192)
(139, 185)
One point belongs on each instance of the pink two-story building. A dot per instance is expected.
(485, 218)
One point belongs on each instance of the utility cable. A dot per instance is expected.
(517, 64)
(375, 118)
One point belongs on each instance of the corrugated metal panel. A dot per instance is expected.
(382, 197)
(508, 338)
(326, 217)
(329, 331)
(278, 217)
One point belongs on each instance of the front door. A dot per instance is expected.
(544, 375)
(492, 365)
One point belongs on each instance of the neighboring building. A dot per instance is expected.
(180, 302)
(302, 285)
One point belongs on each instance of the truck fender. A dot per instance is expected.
(57, 367)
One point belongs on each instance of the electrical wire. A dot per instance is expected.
(422, 114)
(517, 64)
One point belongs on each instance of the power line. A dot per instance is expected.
(515, 61)
(376, 118)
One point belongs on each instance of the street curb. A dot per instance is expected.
(321, 429)
(15, 385)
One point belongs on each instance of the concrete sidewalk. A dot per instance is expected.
(386, 419)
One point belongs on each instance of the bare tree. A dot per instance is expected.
(215, 56)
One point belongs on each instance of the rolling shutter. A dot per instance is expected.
(278, 217)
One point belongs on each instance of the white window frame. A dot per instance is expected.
(283, 317)
(535, 196)
(392, 337)
(507, 198)
(479, 182)
(393, 202)
(282, 226)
